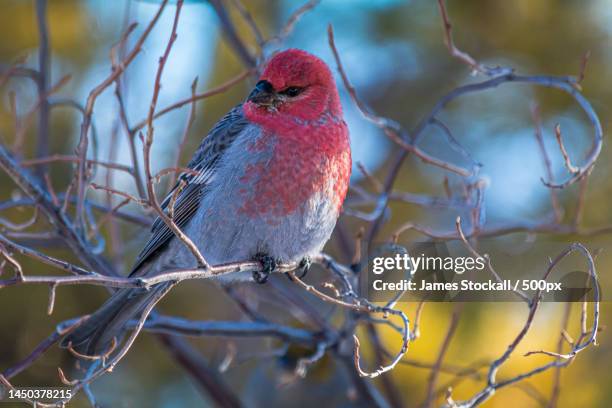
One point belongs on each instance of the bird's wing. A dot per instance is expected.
(191, 186)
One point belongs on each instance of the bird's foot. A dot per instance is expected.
(268, 265)
(302, 269)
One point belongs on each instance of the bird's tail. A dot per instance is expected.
(96, 334)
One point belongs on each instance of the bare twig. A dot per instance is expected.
(148, 142)
(486, 257)
(248, 18)
(292, 20)
(461, 55)
(535, 113)
(560, 360)
(435, 370)
(89, 106)
(190, 120)
(566, 158)
(73, 159)
(44, 65)
(193, 98)
(231, 34)
(583, 65)
(6, 72)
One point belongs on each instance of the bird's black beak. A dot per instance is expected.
(263, 94)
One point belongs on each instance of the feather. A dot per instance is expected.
(203, 162)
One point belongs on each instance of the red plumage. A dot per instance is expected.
(313, 138)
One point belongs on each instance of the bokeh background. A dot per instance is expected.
(394, 54)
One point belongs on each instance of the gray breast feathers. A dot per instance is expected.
(192, 186)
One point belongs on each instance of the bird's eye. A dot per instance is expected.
(292, 91)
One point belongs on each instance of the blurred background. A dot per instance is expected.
(394, 54)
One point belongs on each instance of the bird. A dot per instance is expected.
(267, 183)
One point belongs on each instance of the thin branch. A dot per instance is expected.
(231, 34)
(292, 20)
(183, 142)
(44, 67)
(89, 106)
(560, 361)
(15, 69)
(148, 142)
(54, 214)
(475, 253)
(73, 159)
(184, 327)
(568, 163)
(554, 199)
(248, 18)
(446, 342)
(583, 65)
(193, 98)
(461, 55)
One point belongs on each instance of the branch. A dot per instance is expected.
(184, 327)
(42, 144)
(554, 199)
(89, 106)
(464, 56)
(566, 159)
(148, 143)
(193, 98)
(587, 337)
(231, 34)
(58, 219)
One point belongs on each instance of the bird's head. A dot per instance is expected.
(297, 84)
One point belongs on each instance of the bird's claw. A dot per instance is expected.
(304, 266)
(302, 269)
(268, 265)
